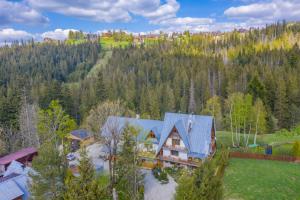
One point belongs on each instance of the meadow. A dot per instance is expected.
(249, 179)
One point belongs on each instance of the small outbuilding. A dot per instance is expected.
(80, 138)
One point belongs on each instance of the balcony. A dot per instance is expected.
(192, 163)
(175, 147)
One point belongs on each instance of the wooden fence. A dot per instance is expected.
(264, 157)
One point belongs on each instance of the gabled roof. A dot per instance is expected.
(16, 167)
(10, 190)
(81, 134)
(145, 126)
(194, 130)
(15, 182)
(17, 155)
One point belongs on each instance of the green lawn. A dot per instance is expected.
(261, 179)
(109, 43)
(282, 144)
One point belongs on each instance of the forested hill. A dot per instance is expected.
(45, 62)
(207, 73)
(183, 74)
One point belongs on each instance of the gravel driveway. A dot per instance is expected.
(154, 190)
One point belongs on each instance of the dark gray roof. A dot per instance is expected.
(81, 133)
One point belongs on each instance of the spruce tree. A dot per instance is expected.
(129, 178)
(101, 92)
(49, 173)
(85, 186)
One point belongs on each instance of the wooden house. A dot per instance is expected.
(23, 156)
(80, 138)
(180, 139)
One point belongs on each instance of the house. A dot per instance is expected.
(23, 156)
(79, 138)
(14, 183)
(180, 139)
(186, 140)
(147, 129)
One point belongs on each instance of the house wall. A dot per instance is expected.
(169, 142)
(181, 143)
(183, 156)
(154, 147)
(166, 152)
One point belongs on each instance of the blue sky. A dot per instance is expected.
(54, 18)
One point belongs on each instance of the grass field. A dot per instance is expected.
(282, 144)
(108, 43)
(101, 63)
(249, 179)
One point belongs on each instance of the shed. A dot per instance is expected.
(80, 137)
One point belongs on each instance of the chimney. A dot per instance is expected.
(190, 122)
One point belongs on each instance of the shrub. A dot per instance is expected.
(160, 175)
(296, 148)
(296, 130)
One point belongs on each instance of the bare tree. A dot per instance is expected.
(28, 124)
(10, 138)
(192, 102)
(111, 135)
(98, 115)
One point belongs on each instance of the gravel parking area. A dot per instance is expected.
(154, 190)
(94, 152)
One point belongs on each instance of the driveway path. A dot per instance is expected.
(154, 190)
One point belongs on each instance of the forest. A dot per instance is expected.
(249, 81)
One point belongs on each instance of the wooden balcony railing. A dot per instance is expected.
(178, 160)
(175, 147)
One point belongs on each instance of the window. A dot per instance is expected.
(175, 142)
(174, 153)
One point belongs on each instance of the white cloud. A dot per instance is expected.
(266, 12)
(187, 21)
(102, 11)
(57, 34)
(8, 35)
(165, 11)
(16, 12)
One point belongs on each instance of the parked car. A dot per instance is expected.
(71, 156)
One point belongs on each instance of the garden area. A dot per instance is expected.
(249, 179)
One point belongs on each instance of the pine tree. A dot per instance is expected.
(101, 92)
(205, 183)
(282, 105)
(49, 173)
(85, 186)
(154, 105)
(128, 175)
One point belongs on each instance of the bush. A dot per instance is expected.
(160, 175)
(296, 149)
(296, 130)
(174, 172)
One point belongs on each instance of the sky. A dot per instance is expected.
(26, 19)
